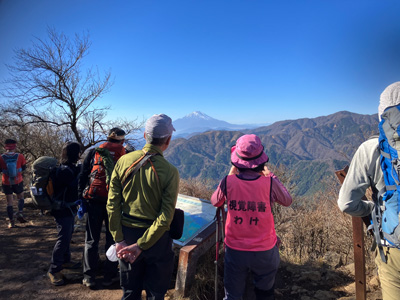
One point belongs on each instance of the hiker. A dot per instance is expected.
(249, 191)
(129, 148)
(93, 192)
(12, 165)
(365, 171)
(140, 212)
(65, 186)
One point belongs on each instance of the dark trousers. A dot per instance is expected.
(96, 214)
(151, 271)
(61, 252)
(262, 264)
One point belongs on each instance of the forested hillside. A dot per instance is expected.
(311, 149)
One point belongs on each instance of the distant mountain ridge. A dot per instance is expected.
(312, 148)
(193, 124)
(198, 122)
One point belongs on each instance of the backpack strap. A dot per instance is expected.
(134, 168)
(7, 158)
(270, 192)
(155, 172)
(224, 186)
(376, 217)
(107, 161)
(389, 187)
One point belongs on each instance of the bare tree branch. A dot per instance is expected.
(48, 88)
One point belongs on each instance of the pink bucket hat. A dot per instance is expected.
(248, 152)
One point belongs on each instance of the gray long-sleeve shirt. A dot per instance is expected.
(364, 170)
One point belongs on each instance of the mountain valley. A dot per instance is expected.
(310, 149)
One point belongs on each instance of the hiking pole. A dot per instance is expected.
(223, 225)
(217, 238)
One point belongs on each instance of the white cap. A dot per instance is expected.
(159, 126)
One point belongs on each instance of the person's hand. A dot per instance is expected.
(129, 253)
(233, 171)
(119, 246)
(266, 171)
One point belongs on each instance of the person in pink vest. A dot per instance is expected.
(249, 191)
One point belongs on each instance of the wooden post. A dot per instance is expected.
(186, 269)
(358, 245)
(188, 257)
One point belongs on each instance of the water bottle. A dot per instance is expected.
(34, 190)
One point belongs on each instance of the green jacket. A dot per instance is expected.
(143, 197)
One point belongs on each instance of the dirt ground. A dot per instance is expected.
(25, 257)
(26, 251)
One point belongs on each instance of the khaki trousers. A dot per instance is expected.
(389, 273)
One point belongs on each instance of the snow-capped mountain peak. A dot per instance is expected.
(197, 122)
(198, 115)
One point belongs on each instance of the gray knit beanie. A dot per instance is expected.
(389, 97)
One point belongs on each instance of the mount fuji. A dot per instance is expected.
(198, 122)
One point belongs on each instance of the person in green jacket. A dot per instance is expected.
(140, 212)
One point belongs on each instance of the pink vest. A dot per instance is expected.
(250, 224)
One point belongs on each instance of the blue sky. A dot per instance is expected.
(237, 61)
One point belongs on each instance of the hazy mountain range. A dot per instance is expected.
(198, 122)
(310, 149)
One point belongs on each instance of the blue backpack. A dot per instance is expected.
(11, 162)
(385, 216)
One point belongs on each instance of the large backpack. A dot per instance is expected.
(100, 175)
(44, 175)
(385, 216)
(12, 170)
(41, 169)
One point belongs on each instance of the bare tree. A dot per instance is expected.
(34, 140)
(47, 85)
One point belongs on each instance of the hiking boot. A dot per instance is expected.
(11, 224)
(108, 281)
(72, 265)
(56, 278)
(20, 217)
(89, 282)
